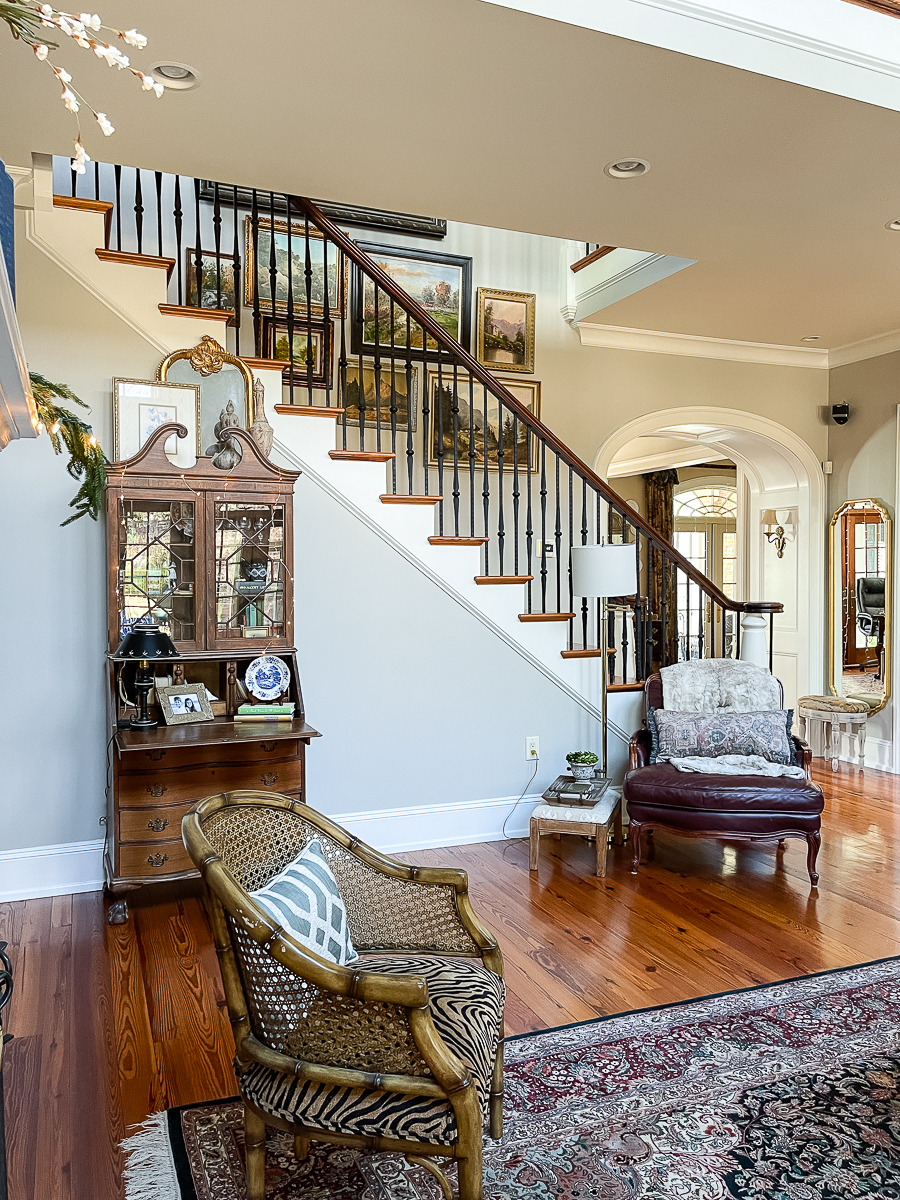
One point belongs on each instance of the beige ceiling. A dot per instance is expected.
(483, 114)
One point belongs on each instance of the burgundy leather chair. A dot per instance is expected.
(657, 796)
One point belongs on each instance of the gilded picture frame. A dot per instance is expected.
(141, 405)
(393, 393)
(478, 410)
(504, 339)
(257, 277)
(207, 360)
(184, 704)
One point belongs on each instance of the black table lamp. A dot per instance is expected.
(143, 643)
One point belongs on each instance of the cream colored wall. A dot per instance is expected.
(864, 456)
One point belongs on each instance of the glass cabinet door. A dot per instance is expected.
(249, 572)
(156, 567)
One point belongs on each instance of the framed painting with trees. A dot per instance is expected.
(505, 336)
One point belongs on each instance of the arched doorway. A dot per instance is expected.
(775, 469)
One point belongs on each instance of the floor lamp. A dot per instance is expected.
(599, 572)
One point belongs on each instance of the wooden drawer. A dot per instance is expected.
(189, 785)
(160, 761)
(161, 858)
(151, 824)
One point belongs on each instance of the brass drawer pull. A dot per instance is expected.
(157, 789)
(156, 755)
(267, 746)
(268, 779)
(157, 860)
(158, 825)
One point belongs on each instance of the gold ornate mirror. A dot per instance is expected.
(859, 603)
(224, 380)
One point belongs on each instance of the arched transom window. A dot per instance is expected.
(710, 501)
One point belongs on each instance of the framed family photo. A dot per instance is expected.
(467, 417)
(184, 704)
(140, 406)
(381, 392)
(441, 283)
(505, 330)
(259, 261)
(312, 347)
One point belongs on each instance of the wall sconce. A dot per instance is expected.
(778, 532)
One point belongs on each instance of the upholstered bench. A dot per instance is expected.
(583, 822)
(837, 714)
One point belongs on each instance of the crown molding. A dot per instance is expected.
(870, 347)
(651, 341)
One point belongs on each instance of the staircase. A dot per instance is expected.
(439, 459)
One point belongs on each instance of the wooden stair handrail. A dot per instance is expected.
(477, 371)
(594, 256)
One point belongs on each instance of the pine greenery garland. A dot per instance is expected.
(86, 460)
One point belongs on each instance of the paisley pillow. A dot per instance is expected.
(710, 735)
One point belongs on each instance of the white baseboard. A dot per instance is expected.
(879, 753)
(51, 870)
(426, 826)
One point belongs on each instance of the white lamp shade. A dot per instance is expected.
(604, 571)
(770, 518)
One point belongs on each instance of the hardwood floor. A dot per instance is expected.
(112, 1023)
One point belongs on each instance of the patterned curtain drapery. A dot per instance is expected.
(659, 487)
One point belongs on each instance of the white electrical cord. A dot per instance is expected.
(521, 798)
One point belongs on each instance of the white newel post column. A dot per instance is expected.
(754, 642)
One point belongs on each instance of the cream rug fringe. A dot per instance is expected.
(150, 1169)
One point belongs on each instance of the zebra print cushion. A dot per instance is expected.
(467, 1007)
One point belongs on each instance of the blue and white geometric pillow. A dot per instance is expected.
(305, 901)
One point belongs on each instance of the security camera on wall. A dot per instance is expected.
(840, 413)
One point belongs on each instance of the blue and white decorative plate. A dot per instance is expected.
(267, 677)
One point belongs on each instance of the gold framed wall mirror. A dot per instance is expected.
(859, 603)
(226, 393)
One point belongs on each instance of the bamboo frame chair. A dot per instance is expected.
(334, 1027)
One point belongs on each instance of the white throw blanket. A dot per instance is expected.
(711, 684)
(733, 764)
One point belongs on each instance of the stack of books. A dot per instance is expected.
(250, 714)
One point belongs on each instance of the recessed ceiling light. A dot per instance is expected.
(627, 168)
(175, 76)
(813, 337)
(894, 226)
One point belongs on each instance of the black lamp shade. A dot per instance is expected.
(146, 641)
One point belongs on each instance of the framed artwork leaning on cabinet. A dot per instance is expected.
(206, 554)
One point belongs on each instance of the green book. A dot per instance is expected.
(266, 710)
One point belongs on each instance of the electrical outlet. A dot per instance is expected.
(532, 748)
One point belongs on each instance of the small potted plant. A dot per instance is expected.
(582, 763)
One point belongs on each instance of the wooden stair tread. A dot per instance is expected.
(192, 310)
(459, 541)
(585, 653)
(393, 499)
(104, 207)
(489, 579)
(551, 616)
(306, 410)
(137, 260)
(625, 687)
(361, 455)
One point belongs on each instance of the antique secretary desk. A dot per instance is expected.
(208, 555)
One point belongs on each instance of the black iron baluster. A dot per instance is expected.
(268, 351)
(377, 370)
(393, 317)
(438, 419)
(485, 481)
(309, 327)
(273, 283)
(516, 491)
(571, 543)
(426, 412)
(543, 494)
(472, 459)
(117, 172)
(557, 537)
(139, 211)
(342, 356)
(159, 236)
(198, 246)
(254, 246)
(412, 403)
(501, 531)
(97, 190)
(529, 534)
(217, 242)
(455, 414)
(178, 215)
(327, 326)
(236, 271)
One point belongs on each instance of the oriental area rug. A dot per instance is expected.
(781, 1092)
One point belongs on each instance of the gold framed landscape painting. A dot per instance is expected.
(381, 392)
(258, 259)
(505, 330)
(469, 416)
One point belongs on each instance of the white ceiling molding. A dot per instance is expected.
(613, 277)
(689, 457)
(870, 347)
(855, 52)
(650, 341)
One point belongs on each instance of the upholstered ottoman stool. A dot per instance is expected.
(840, 714)
(583, 822)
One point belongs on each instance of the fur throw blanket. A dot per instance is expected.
(734, 764)
(708, 684)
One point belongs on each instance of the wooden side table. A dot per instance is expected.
(852, 723)
(583, 822)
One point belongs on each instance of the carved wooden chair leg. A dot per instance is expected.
(495, 1102)
(634, 837)
(813, 842)
(255, 1154)
(301, 1147)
